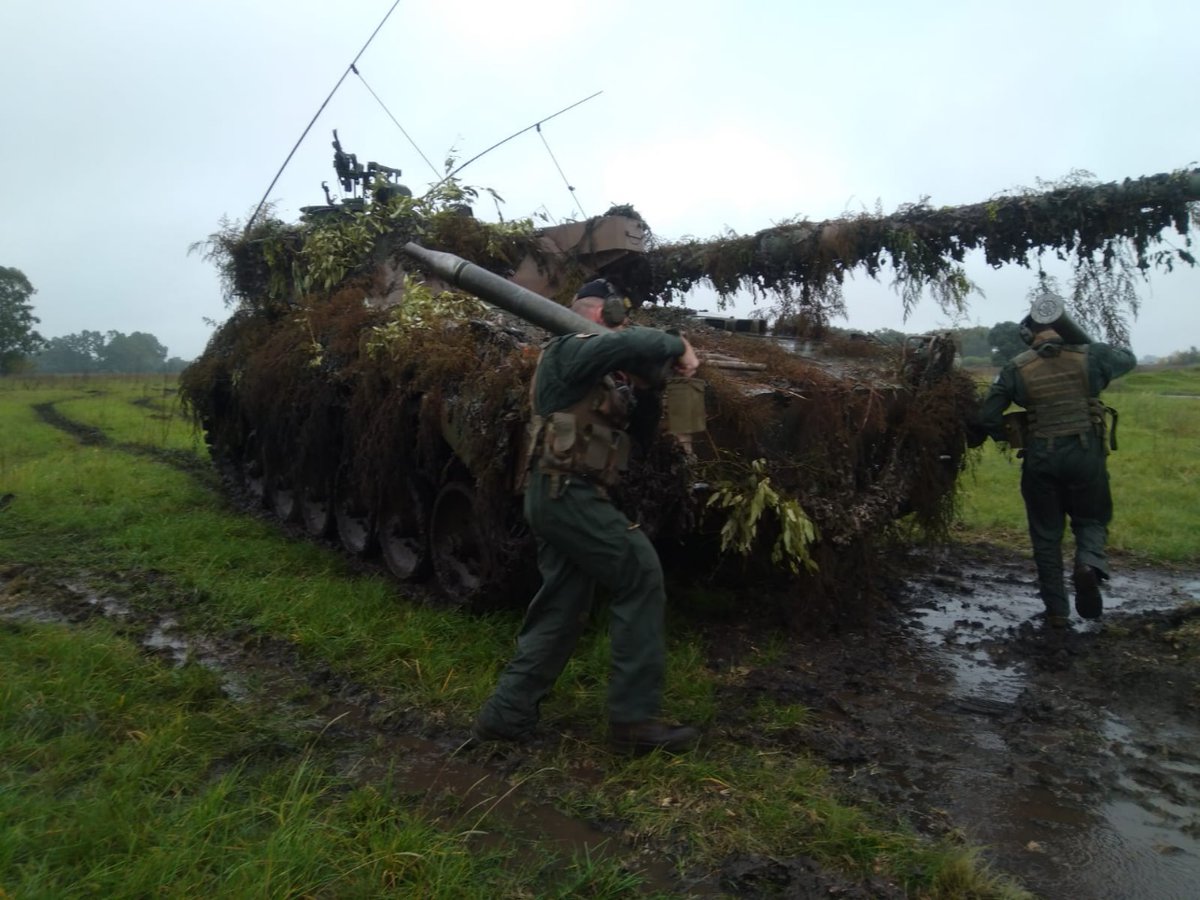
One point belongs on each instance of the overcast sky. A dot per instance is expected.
(128, 128)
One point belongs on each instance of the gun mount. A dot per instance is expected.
(374, 181)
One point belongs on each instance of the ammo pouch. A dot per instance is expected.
(588, 448)
(1020, 426)
(1100, 414)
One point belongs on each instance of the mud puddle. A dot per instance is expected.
(1073, 757)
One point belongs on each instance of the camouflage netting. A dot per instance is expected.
(315, 382)
(1111, 234)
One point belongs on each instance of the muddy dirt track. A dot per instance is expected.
(1074, 756)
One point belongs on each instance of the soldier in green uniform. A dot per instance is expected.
(578, 446)
(1065, 473)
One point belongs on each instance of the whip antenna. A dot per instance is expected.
(317, 115)
(536, 124)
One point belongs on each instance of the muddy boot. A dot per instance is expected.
(637, 738)
(1058, 623)
(1088, 601)
(484, 733)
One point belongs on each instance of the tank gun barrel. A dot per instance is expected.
(533, 308)
(924, 243)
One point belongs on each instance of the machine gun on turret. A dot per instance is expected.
(375, 180)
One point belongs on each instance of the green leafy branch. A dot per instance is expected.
(419, 309)
(746, 502)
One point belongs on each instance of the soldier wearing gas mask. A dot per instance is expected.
(579, 445)
(1062, 435)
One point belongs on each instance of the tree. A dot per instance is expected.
(1184, 357)
(17, 337)
(976, 342)
(1005, 339)
(75, 353)
(137, 352)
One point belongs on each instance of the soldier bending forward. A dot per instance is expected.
(579, 448)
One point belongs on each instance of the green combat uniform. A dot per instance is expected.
(578, 449)
(1065, 470)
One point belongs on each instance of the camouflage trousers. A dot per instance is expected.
(584, 541)
(1066, 479)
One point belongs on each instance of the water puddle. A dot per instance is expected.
(1079, 790)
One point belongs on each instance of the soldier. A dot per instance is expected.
(581, 405)
(1065, 472)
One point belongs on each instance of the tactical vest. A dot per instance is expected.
(587, 438)
(1059, 397)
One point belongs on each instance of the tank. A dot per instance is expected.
(371, 387)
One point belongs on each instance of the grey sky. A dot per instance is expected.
(128, 129)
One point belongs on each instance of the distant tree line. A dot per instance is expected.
(1189, 357)
(22, 349)
(984, 346)
(112, 352)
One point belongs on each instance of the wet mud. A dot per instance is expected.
(1072, 756)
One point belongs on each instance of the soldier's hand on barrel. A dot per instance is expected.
(686, 363)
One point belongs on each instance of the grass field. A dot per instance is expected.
(123, 775)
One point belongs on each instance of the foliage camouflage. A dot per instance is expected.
(316, 380)
(1111, 233)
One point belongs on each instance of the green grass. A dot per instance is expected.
(1155, 473)
(237, 796)
(124, 778)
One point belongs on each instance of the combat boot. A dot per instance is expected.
(638, 738)
(1088, 601)
(482, 732)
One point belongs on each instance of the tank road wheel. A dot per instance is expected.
(316, 509)
(404, 532)
(281, 495)
(252, 473)
(461, 558)
(353, 520)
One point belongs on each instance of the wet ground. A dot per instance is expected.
(1072, 756)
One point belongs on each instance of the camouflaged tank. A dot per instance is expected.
(377, 396)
